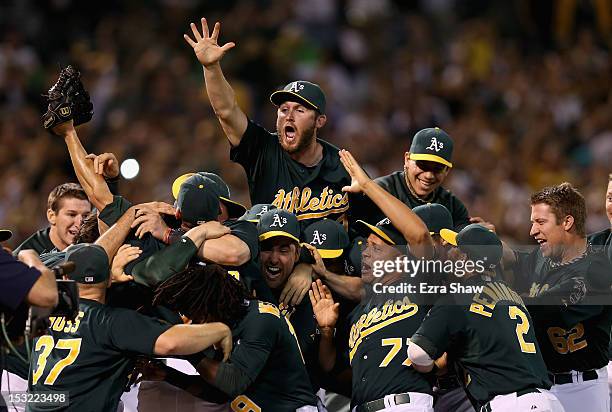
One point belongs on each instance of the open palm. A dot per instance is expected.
(205, 46)
(323, 306)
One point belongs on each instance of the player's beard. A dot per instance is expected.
(304, 139)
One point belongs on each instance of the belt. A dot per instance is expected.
(487, 406)
(379, 404)
(563, 378)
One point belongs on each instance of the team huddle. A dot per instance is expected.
(270, 307)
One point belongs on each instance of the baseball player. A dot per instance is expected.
(381, 324)
(574, 336)
(489, 333)
(67, 206)
(426, 165)
(265, 371)
(88, 358)
(449, 393)
(292, 168)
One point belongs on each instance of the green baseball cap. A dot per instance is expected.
(476, 241)
(234, 209)
(435, 216)
(5, 234)
(198, 200)
(91, 263)
(300, 91)
(354, 258)
(383, 229)
(328, 236)
(278, 222)
(432, 144)
(254, 213)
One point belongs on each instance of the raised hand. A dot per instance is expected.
(125, 255)
(148, 220)
(105, 164)
(205, 46)
(319, 266)
(323, 306)
(359, 178)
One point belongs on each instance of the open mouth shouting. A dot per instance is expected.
(290, 133)
(272, 272)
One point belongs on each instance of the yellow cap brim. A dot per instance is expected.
(241, 206)
(377, 232)
(279, 92)
(330, 253)
(431, 158)
(449, 236)
(176, 185)
(277, 233)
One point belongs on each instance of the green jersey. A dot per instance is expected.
(380, 332)
(39, 241)
(90, 358)
(573, 335)
(491, 337)
(267, 350)
(311, 193)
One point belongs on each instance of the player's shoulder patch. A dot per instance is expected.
(265, 307)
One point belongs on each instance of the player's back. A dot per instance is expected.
(496, 345)
(267, 349)
(89, 359)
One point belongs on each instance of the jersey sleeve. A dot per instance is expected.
(17, 279)
(164, 263)
(113, 211)
(129, 331)
(256, 343)
(253, 148)
(439, 326)
(247, 232)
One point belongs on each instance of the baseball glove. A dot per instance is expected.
(67, 100)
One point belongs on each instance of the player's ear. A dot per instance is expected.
(321, 120)
(568, 222)
(51, 217)
(406, 159)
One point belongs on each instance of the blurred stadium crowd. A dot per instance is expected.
(523, 87)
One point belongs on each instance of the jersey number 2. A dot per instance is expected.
(46, 343)
(521, 329)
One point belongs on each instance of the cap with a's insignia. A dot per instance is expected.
(477, 242)
(353, 261)
(435, 216)
(432, 144)
(278, 222)
(328, 236)
(254, 213)
(5, 234)
(303, 92)
(198, 200)
(383, 229)
(91, 263)
(234, 209)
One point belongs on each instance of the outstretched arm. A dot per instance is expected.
(403, 218)
(93, 183)
(221, 95)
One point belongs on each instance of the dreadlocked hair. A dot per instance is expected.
(204, 294)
